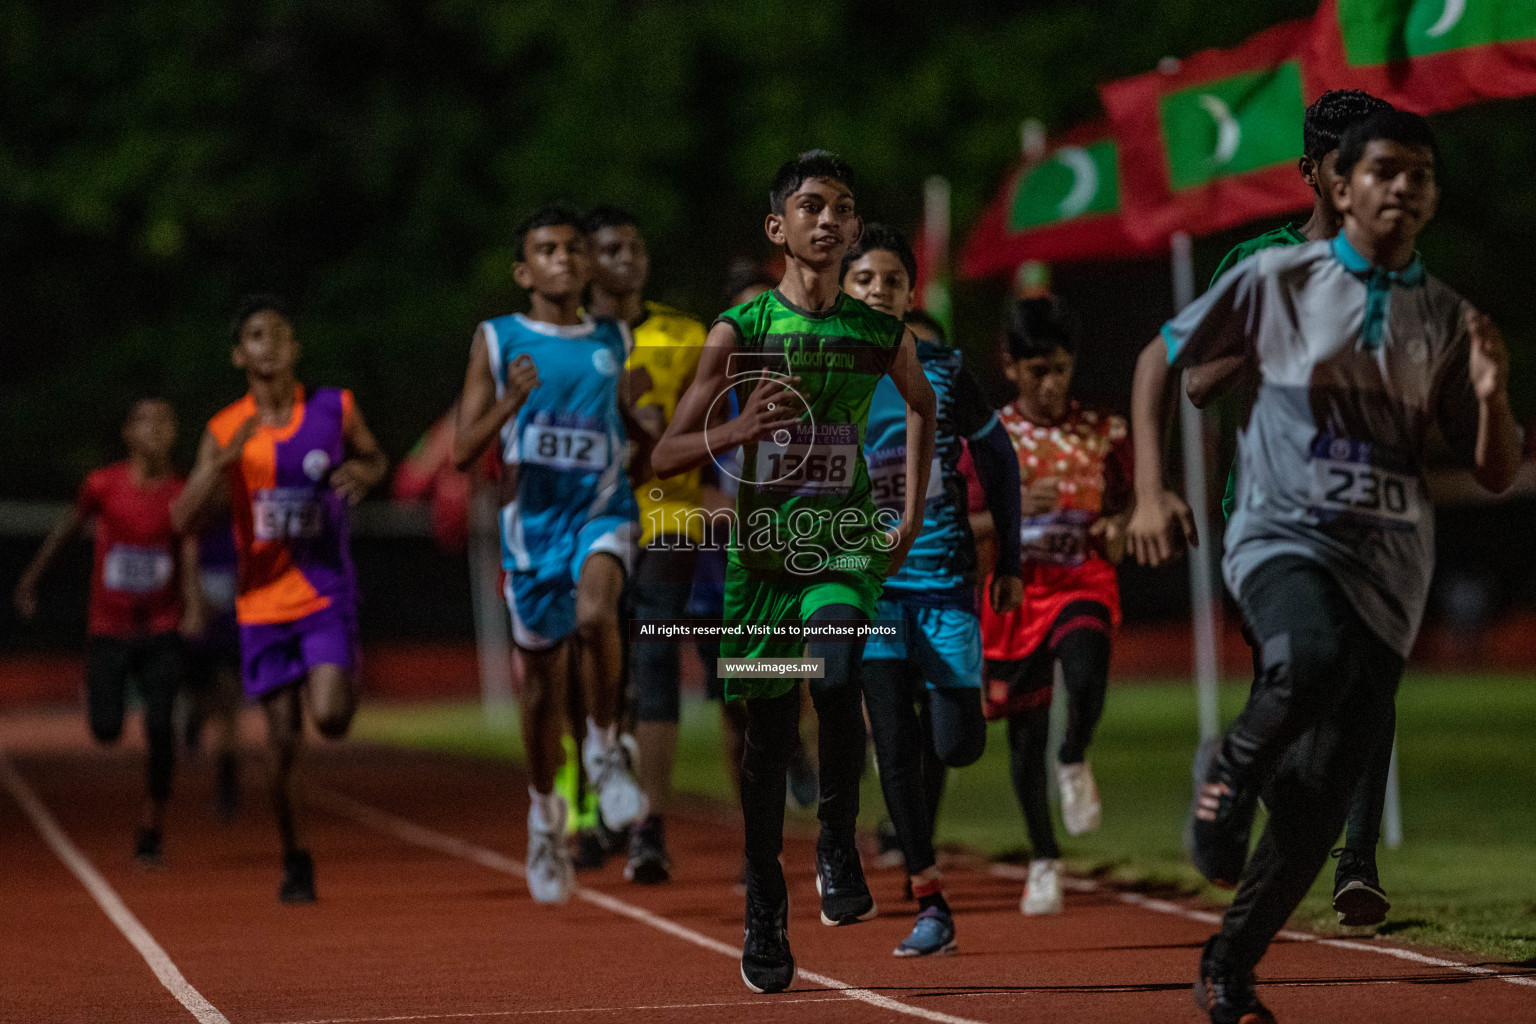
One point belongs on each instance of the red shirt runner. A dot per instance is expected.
(135, 581)
(1089, 456)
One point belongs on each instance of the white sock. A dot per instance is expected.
(549, 807)
(597, 743)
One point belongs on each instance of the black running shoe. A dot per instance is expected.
(1219, 848)
(147, 852)
(298, 878)
(845, 897)
(1357, 892)
(1227, 996)
(766, 962)
(590, 854)
(648, 862)
(889, 854)
(226, 799)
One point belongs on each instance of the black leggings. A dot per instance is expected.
(914, 747)
(773, 723)
(1320, 712)
(1079, 641)
(662, 581)
(155, 664)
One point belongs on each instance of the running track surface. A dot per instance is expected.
(422, 918)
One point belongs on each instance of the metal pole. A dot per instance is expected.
(936, 298)
(1392, 810)
(493, 644)
(1204, 610)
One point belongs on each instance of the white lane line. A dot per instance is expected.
(1016, 873)
(830, 997)
(400, 828)
(106, 898)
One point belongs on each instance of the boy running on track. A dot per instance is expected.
(1357, 893)
(937, 659)
(143, 598)
(290, 460)
(1074, 467)
(808, 547)
(1330, 550)
(664, 351)
(547, 383)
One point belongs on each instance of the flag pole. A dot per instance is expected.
(1205, 613)
(936, 298)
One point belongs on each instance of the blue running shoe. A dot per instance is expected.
(933, 933)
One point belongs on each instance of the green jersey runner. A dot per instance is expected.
(807, 534)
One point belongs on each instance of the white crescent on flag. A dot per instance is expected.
(1454, 9)
(1085, 180)
(1229, 133)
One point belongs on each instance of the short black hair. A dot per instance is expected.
(1332, 114)
(921, 317)
(608, 216)
(253, 304)
(552, 215)
(1391, 125)
(1038, 327)
(812, 164)
(743, 274)
(142, 400)
(883, 236)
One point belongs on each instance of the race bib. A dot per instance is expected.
(565, 448)
(1056, 538)
(818, 460)
(1347, 482)
(136, 570)
(287, 513)
(888, 478)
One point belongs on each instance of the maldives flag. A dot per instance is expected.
(1064, 207)
(1427, 55)
(1212, 141)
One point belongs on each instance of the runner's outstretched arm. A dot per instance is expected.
(1496, 458)
(205, 484)
(922, 414)
(481, 414)
(687, 443)
(365, 464)
(193, 613)
(997, 467)
(1161, 522)
(66, 530)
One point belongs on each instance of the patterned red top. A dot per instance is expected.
(1088, 454)
(135, 578)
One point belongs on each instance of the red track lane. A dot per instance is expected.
(407, 932)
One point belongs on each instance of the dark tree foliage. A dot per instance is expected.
(368, 158)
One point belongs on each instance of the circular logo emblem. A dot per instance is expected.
(1339, 449)
(316, 463)
(602, 360)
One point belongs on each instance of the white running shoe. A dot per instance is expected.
(1042, 894)
(619, 798)
(551, 875)
(1079, 797)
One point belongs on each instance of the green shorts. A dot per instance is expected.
(752, 600)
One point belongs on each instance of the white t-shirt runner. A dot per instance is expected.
(1356, 365)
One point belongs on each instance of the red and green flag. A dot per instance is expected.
(1427, 55)
(1065, 206)
(1212, 141)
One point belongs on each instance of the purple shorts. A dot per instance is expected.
(272, 655)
